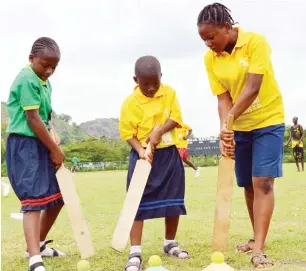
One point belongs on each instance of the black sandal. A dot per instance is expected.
(136, 264)
(35, 265)
(176, 252)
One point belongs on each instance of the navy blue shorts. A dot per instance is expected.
(165, 190)
(31, 173)
(259, 153)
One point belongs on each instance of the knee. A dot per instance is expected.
(263, 184)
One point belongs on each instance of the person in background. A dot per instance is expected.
(184, 132)
(75, 163)
(296, 137)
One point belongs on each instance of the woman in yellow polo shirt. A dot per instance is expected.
(241, 75)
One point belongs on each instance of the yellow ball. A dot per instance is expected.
(217, 257)
(83, 265)
(155, 260)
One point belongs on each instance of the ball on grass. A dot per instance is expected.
(155, 260)
(217, 257)
(83, 265)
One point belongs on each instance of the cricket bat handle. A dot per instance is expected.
(149, 149)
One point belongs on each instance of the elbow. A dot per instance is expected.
(32, 118)
(255, 91)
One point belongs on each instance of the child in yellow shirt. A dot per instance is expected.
(151, 104)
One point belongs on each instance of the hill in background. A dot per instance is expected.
(69, 131)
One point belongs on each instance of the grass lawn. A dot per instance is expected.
(102, 195)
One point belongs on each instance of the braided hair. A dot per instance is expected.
(44, 43)
(217, 14)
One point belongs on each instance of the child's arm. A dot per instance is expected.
(135, 144)
(156, 135)
(54, 133)
(174, 120)
(40, 130)
(289, 139)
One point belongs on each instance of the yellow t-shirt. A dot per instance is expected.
(139, 115)
(252, 54)
(183, 131)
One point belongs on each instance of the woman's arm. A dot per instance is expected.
(248, 95)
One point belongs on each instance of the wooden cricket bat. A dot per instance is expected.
(74, 210)
(226, 177)
(131, 203)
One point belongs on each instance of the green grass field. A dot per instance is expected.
(102, 195)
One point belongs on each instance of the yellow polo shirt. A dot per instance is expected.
(183, 131)
(139, 115)
(229, 72)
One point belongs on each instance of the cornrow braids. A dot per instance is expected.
(44, 43)
(217, 14)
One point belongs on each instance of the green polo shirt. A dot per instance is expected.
(28, 92)
(75, 161)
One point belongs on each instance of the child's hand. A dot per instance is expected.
(146, 156)
(154, 138)
(57, 157)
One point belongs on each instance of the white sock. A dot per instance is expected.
(134, 249)
(167, 242)
(181, 255)
(37, 259)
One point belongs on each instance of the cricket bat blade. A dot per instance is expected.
(131, 204)
(75, 214)
(226, 176)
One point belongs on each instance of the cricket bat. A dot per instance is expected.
(225, 184)
(131, 203)
(74, 210)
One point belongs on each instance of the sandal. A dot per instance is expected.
(46, 251)
(245, 248)
(35, 265)
(135, 264)
(176, 252)
(261, 261)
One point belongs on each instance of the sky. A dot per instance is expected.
(101, 40)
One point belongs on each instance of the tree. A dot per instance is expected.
(4, 134)
(3, 151)
(65, 117)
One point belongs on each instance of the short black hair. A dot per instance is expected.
(147, 65)
(44, 43)
(217, 14)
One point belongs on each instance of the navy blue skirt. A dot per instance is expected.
(165, 190)
(31, 173)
